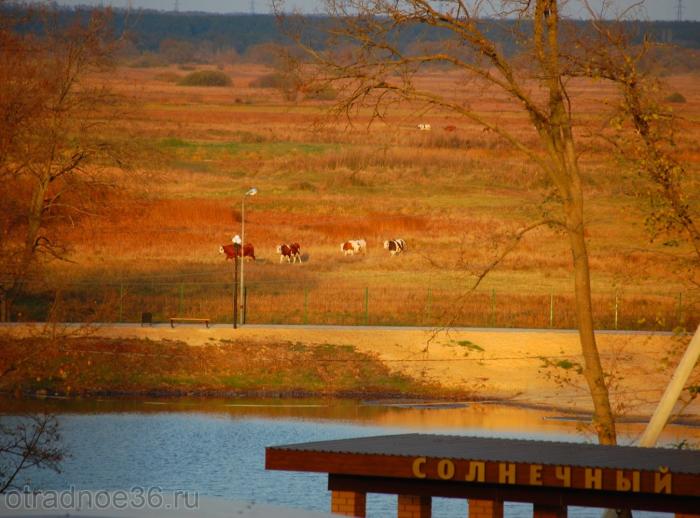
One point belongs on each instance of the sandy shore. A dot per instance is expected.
(498, 364)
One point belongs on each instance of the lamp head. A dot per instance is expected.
(252, 192)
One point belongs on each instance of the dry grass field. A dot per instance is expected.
(455, 197)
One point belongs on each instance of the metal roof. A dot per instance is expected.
(511, 450)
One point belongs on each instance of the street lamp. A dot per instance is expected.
(251, 192)
(237, 251)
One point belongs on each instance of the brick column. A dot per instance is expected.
(348, 503)
(549, 511)
(412, 506)
(485, 508)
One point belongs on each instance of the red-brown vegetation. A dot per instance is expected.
(455, 197)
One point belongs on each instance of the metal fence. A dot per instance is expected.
(349, 304)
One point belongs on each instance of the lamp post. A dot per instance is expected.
(237, 250)
(251, 192)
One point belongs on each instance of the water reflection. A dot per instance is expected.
(216, 447)
(467, 417)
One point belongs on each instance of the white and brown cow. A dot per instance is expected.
(395, 246)
(354, 246)
(291, 252)
(233, 250)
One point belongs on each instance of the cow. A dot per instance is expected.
(354, 246)
(234, 250)
(395, 246)
(424, 127)
(291, 252)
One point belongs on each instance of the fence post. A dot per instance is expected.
(245, 304)
(551, 309)
(306, 304)
(617, 308)
(121, 301)
(680, 308)
(367, 305)
(182, 296)
(428, 306)
(493, 307)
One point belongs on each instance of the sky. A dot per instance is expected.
(653, 9)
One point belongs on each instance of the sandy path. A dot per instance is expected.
(492, 363)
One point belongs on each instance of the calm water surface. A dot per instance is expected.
(217, 447)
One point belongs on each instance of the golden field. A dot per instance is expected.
(455, 197)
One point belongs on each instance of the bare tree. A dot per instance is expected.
(29, 442)
(51, 155)
(375, 70)
(608, 51)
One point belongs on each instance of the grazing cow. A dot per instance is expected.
(424, 127)
(248, 251)
(354, 246)
(395, 246)
(233, 250)
(292, 252)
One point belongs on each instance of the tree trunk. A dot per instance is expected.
(34, 221)
(558, 139)
(603, 419)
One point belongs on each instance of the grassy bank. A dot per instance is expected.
(94, 366)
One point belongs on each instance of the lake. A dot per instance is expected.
(216, 447)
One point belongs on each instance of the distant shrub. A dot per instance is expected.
(288, 84)
(205, 78)
(675, 97)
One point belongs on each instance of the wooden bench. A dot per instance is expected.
(185, 319)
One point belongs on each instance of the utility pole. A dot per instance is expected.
(237, 250)
(679, 11)
(176, 8)
(251, 192)
(252, 6)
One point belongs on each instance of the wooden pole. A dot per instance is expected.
(235, 289)
(367, 306)
(551, 309)
(673, 391)
(429, 306)
(242, 286)
(244, 314)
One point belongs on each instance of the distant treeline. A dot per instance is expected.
(148, 30)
